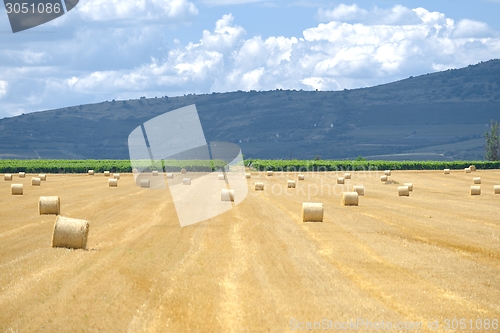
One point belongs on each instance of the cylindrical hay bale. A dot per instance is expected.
(49, 205)
(301, 176)
(467, 170)
(259, 186)
(43, 177)
(155, 172)
(112, 182)
(170, 175)
(410, 186)
(227, 195)
(247, 175)
(116, 176)
(347, 175)
(472, 168)
(90, 172)
(16, 189)
(387, 172)
(475, 190)
(269, 173)
(70, 233)
(35, 181)
(403, 191)
(106, 173)
(7, 177)
(340, 180)
(145, 183)
(350, 199)
(221, 176)
(359, 189)
(312, 212)
(496, 188)
(477, 180)
(186, 181)
(183, 171)
(22, 174)
(446, 171)
(290, 183)
(383, 178)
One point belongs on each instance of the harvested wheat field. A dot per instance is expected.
(425, 258)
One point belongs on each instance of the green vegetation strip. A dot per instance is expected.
(331, 165)
(82, 166)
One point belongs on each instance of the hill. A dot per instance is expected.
(440, 115)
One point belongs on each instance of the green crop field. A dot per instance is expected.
(82, 166)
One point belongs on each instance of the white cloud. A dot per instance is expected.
(397, 15)
(469, 29)
(229, 2)
(3, 88)
(359, 48)
(107, 10)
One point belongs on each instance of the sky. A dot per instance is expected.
(124, 49)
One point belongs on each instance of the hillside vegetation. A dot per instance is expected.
(438, 116)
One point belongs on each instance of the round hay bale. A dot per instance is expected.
(22, 174)
(290, 183)
(475, 190)
(49, 205)
(383, 178)
(221, 176)
(340, 180)
(227, 195)
(134, 170)
(35, 181)
(410, 186)
(7, 177)
(145, 183)
(183, 171)
(116, 176)
(259, 186)
(312, 212)
(446, 171)
(467, 170)
(387, 172)
(403, 191)
(301, 176)
(186, 181)
(70, 233)
(43, 177)
(477, 180)
(472, 168)
(90, 172)
(112, 182)
(247, 175)
(106, 173)
(347, 175)
(170, 175)
(350, 199)
(16, 189)
(155, 172)
(360, 189)
(269, 173)
(496, 189)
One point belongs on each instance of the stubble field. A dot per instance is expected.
(432, 256)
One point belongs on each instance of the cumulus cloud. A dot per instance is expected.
(3, 88)
(397, 15)
(354, 47)
(107, 10)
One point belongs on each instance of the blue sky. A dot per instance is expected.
(122, 49)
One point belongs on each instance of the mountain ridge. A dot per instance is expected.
(441, 115)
